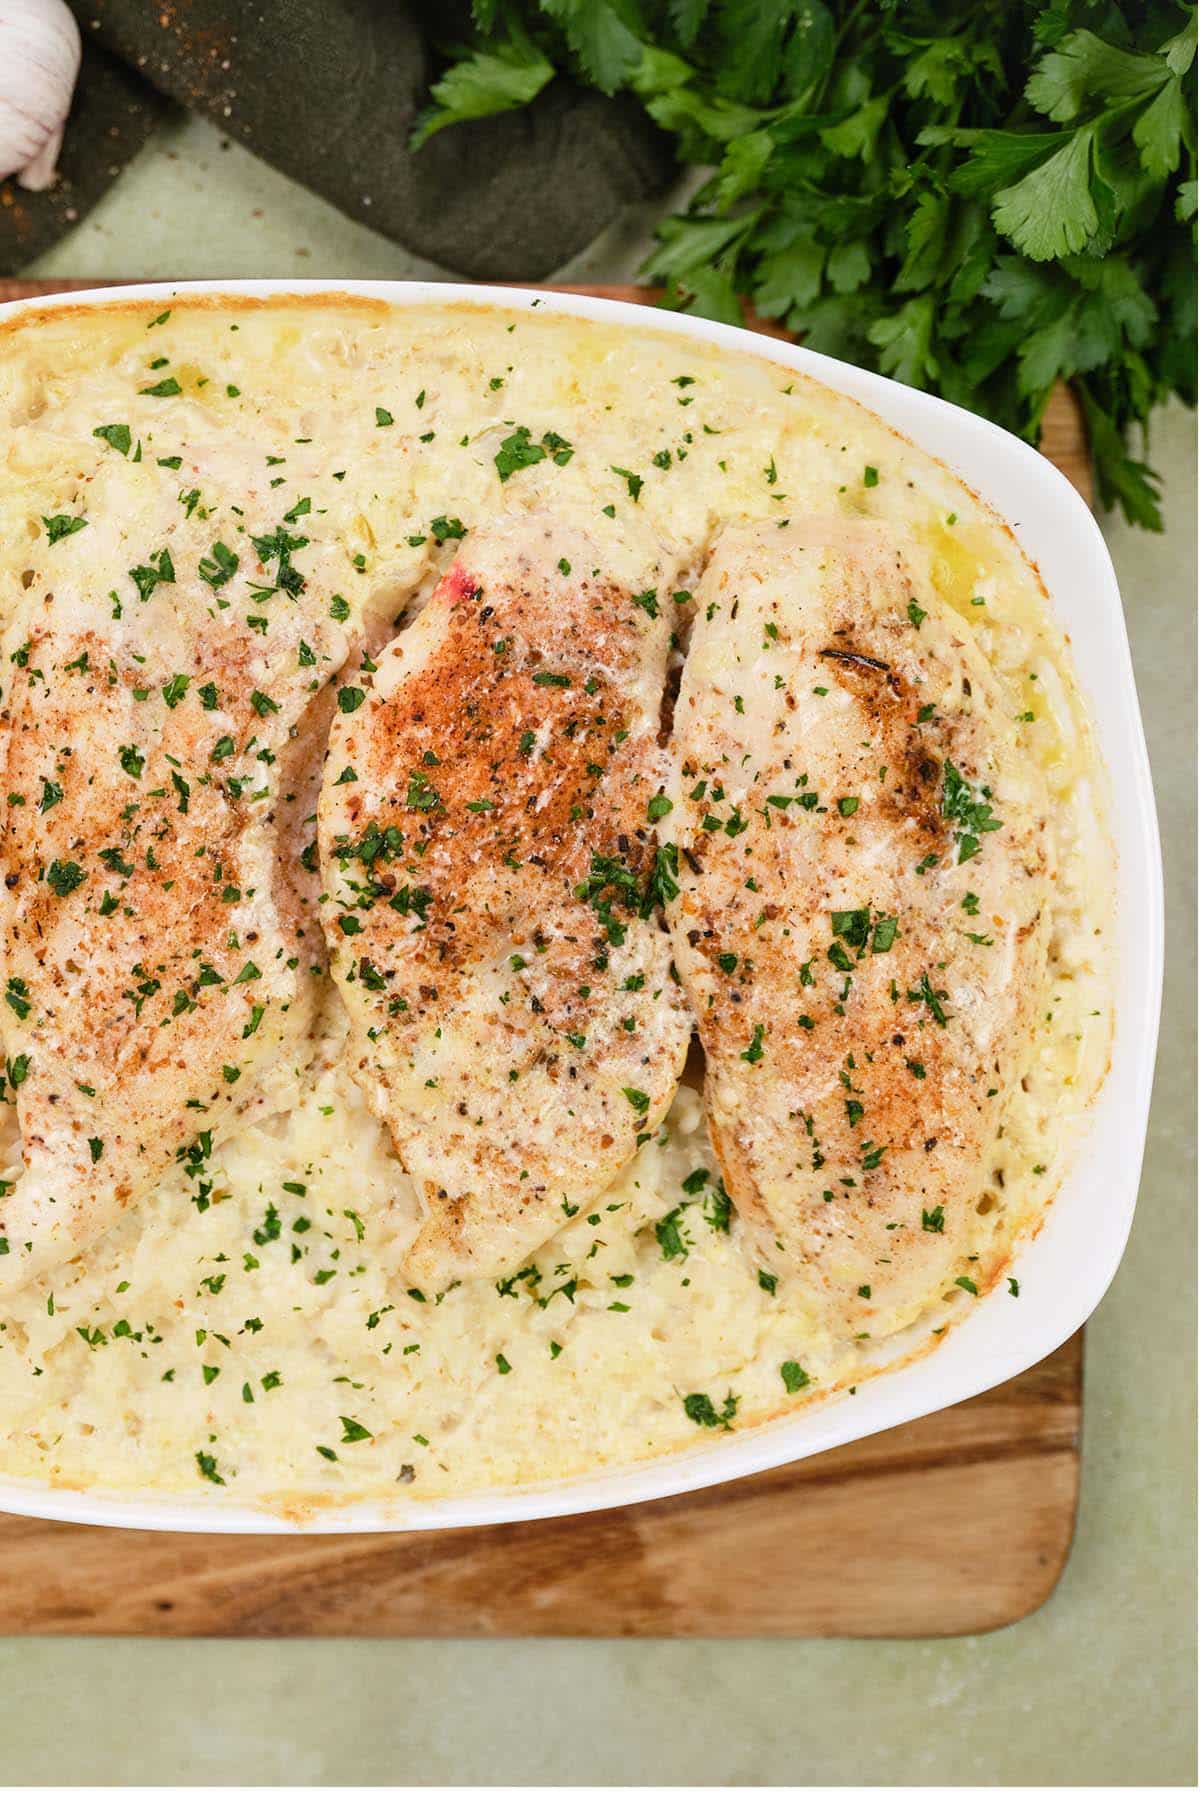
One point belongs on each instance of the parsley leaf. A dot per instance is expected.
(490, 81)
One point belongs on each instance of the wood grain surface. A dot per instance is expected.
(960, 1522)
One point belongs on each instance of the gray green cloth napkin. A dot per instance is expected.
(327, 92)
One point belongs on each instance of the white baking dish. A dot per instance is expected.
(1064, 1272)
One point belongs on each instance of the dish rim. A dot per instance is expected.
(1005, 465)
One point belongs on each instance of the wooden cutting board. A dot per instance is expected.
(960, 1522)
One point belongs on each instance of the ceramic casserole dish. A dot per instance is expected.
(1066, 1268)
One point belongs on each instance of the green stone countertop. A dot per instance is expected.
(1098, 1687)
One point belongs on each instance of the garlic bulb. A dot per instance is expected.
(39, 62)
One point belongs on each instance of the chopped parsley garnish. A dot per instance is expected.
(926, 993)
(420, 794)
(669, 1233)
(64, 877)
(701, 1411)
(968, 811)
(718, 1209)
(218, 566)
(15, 994)
(518, 451)
(277, 546)
(61, 525)
(883, 936)
(855, 928)
(119, 436)
(609, 882)
(271, 1227)
(149, 575)
(794, 1377)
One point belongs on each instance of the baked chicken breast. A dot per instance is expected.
(161, 754)
(493, 887)
(859, 918)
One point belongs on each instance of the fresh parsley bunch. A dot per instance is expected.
(979, 197)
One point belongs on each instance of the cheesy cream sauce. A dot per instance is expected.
(251, 1327)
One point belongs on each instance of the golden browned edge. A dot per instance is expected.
(300, 1508)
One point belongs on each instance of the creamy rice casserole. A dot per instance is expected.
(557, 897)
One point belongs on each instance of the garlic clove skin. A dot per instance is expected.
(40, 52)
(38, 174)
